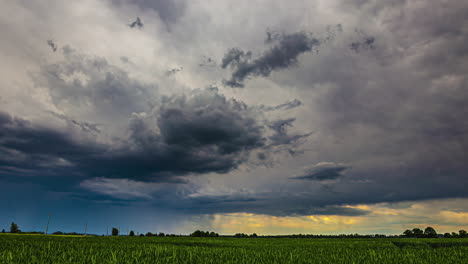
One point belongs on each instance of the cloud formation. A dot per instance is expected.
(322, 171)
(105, 115)
(52, 45)
(282, 55)
(284, 106)
(136, 23)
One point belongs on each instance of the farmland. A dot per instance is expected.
(64, 249)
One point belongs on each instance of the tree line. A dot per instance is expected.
(428, 232)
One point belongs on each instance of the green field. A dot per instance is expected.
(61, 249)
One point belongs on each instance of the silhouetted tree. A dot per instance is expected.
(408, 233)
(253, 235)
(3, 230)
(14, 228)
(241, 235)
(149, 234)
(199, 233)
(418, 232)
(142, 235)
(447, 235)
(430, 232)
(454, 234)
(115, 231)
(131, 233)
(161, 234)
(462, 233)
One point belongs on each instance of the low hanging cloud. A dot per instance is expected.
(196, 133)
(323, 171)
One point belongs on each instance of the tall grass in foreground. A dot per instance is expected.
(56, 249)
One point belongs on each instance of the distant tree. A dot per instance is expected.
(197, 233)
(14, 228)
(131, 233)
(161, 234)
(115, 231)
(454, 234)
(142, 235)
(57, 233)
(149, 234)
(418, 232)
(253, 235)
(3, 230)
(408, 233)
(241, 235)
(462, 233)
(447, 235)
(430, 232)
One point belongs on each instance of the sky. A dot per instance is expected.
(265, 116)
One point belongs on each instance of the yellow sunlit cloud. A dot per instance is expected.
(444, 215)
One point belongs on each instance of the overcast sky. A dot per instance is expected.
(266, 116)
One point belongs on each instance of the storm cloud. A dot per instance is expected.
(99, 122)
(202, 132)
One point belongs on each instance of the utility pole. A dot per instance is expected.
(47, 226)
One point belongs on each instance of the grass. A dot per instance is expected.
(60, 249)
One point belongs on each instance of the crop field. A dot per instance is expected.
(62, 249)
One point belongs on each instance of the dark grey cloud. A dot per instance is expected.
(281, 135)
(83, 125)
(364, 42)
(286, 206)
(136, 23)
(207, 62)
(282, 55)
(284, 106)
(29, 150)
(173, 71)
(198, 133)
(396, 115)
(272, 35)
(52, 45)
(322, 172)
